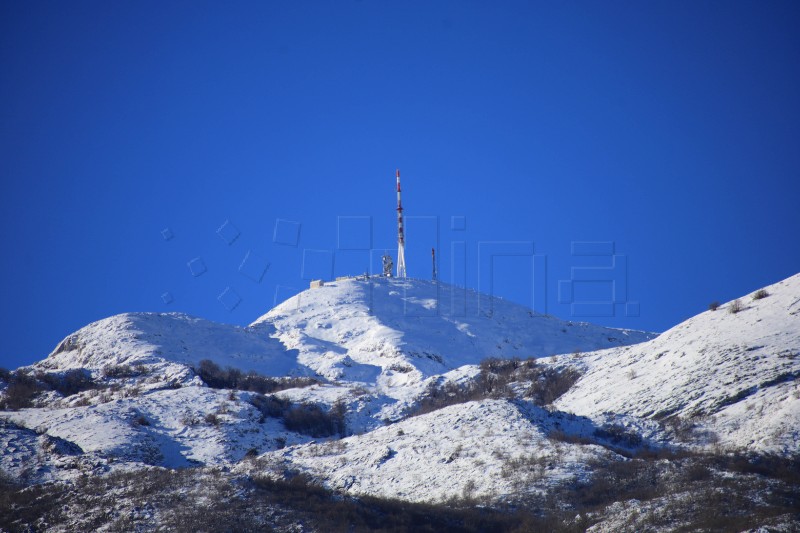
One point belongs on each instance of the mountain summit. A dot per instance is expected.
(392, 332)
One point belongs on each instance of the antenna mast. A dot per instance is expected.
(433, 259)
(401, 241)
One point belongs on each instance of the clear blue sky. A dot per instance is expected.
(669, 128)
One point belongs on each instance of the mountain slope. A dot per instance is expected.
(736, 373)
(147, 404)
(435, 457)
(627, 436)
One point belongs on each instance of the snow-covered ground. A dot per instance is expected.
(392, 333)
(488, 450)
(376, 345)
(161, 339)
(736, 374)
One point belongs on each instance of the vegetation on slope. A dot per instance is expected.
(542, 384)
(684, 493)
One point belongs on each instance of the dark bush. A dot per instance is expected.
(307, 418)
(735, 306)
(68, 383)
(47, 381)
(713, 306)
(552, 383)
(493, 380)
(212, 419)
(310, 419)
(124, 371)
(760, 294)
(22, 389)
(75, 381)
(231, 378)
(211, 374)
(767, 466)
(270, 406)
(697, 471)
(690, 493)
(499, 366)
(438, 396)
(140, 420)
(616, 480)
(683, 429)
(330, 512)
(618, 435)
(252, 453)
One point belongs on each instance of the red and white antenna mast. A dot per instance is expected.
(401, 239)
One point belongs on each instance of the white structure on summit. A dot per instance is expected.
(401, 241)
(388, 265)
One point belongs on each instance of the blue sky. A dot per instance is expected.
(664, 132)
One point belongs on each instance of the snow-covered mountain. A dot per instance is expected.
(391, 332)
(376, 387)
(392, 335)
(167, 343)
(734, 372)
(374, 344)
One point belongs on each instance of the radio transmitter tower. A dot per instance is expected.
(401, 240)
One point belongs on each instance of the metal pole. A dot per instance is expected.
(401, 244)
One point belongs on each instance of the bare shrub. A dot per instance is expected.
(231, 378)
(117, 371)
(251, 454)
(619, 435)
(140, 420)
(212, 419)
(330, 512)
(713, 306)
(69, 382)
(552, 383)
(189, 419)
(270, 406)
(682, 428)
(124, 371)
(760, 294)
(547, 384)
(468, 491)
(21, 390)
(23, 387)
(735, 306)
(81, 402)
(570, 438)
(310, 419)
(437, 396)
(493, 365)
(307, 418)
(695, 493)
